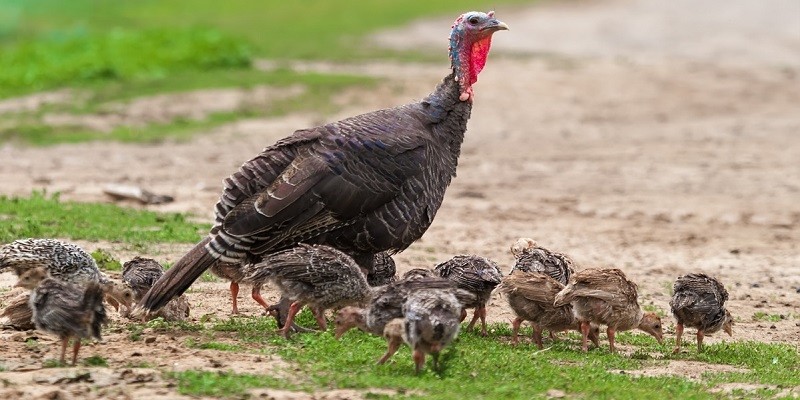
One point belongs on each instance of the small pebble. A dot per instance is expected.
(773, 327)
(150, 339)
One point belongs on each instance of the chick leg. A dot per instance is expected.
(463, 314)
(515, 330)
(64, 342)
(699, 340)
(75, 348)
(483, 321)
(280, 311)
(678, 334)
(392, 345)
(257, 296)
(319, 315)
(419, 360)
(293, 309)
(537, 336)
(585, 332)
(610, 332)
(234, 294)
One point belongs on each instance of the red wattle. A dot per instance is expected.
(479, 53)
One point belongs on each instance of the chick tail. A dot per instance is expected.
(178, 278)
(92, 303)
(565, 296)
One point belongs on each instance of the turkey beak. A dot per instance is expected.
(494, 25)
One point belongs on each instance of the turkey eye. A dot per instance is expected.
(473, 20)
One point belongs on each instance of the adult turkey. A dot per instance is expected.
(363, 185)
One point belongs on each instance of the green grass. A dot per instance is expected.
(95, 361)
(46, 216)
(763, 316)
(106, 261)
(226, 384)
(478, 367)
(318, 29)
(212, 345)
(318, 90)
(78, 57)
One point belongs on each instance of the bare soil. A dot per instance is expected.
(657, 138)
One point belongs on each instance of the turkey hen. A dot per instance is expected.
(699, 302)
(364, 185)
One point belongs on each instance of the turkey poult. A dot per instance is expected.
(319, 276)
(387, 304)
(67, 310)
(477, 275)
(530, 257)
(531, 295)
(607, 297)
(699, 302)
(363, 185)
(431, 322)
(140, 274)
(63, 261)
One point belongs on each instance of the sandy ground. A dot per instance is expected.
(657, 137)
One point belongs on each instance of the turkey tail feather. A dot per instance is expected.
(178, 278)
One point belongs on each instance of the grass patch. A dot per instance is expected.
(118, 54)
(226, 384)
(212, 345)
(318, 29)
(478, 367)
(106, 261)
(776, 364)
(95, 361)
(319, 88)
(46, 216)
(763, 316)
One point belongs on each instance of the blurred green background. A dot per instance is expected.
(111, 51)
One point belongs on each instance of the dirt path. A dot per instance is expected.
(658, 138)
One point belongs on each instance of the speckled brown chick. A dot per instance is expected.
(318, 275)
(387, 304)
(432, 320)
(607, 297)
(531, 296)
(699, 302)
(530, 257)
(477, 275)
(63, 261)
(65, 309)
(140, 274)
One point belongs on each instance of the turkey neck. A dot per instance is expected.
(449, 116)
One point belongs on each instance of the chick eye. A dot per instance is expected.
(658, 326)
(473, 20)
